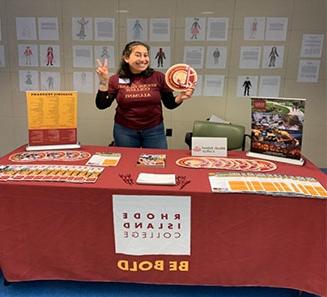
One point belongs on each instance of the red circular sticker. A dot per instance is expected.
(180, 77)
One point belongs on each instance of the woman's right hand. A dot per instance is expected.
(103, 74)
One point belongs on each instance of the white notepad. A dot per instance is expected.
(156, 179)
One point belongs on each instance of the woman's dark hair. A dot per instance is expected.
(124, 70)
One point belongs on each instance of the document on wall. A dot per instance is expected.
(83, 81)
(254, 28)
(49, 55)
(273, 56)
(104, 29)
(269, 85)
(159, 29)
(250, 57)
(247, 86)
(216, 57)
(312, 45)
(195, 28)
(50, 80)
(48, 28)
(26, 28)
(214, 85)
(217, 29)
(28, 80)
(137, 29)
(82, 28)
(52, 119)
(161, 57)
(276, 29)
(102, 52)
(199, 86)
(194, 56)
(83, 56)
(308, 71)
(28, 55)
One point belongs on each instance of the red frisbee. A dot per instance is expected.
(180, 77)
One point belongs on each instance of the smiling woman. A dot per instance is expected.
(140, 92)
(137, 57)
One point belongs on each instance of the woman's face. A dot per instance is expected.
(139, 59)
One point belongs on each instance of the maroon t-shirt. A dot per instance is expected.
(138, 99)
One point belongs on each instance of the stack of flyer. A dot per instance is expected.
(267, 184)
(53, 173)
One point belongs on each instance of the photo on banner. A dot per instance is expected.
(277, 129)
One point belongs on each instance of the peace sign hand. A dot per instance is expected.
(103, 73)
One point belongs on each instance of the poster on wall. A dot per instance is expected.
(277, 129)
(26, 28)
(48, 28)
(137, 29)
(159, 29)
(52, 120)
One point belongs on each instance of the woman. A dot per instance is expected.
(139, 91)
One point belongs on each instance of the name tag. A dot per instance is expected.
(124, 81)
(209, 146)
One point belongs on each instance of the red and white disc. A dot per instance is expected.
(180, 77)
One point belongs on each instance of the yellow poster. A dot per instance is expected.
(52, 117)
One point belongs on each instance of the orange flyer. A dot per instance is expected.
(52, 117)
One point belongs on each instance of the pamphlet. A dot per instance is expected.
(152, 160)
(104, 159)
(267, 184)
(50, 173)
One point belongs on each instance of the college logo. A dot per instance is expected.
(152, 225)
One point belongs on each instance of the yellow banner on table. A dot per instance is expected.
(52, 118)
(49, 110)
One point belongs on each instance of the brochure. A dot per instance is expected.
(151, 160)
(58, 173)
(104, 159)
(268, 184)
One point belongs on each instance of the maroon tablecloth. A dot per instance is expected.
(65, 231)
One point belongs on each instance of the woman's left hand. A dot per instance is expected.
(187, 94)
